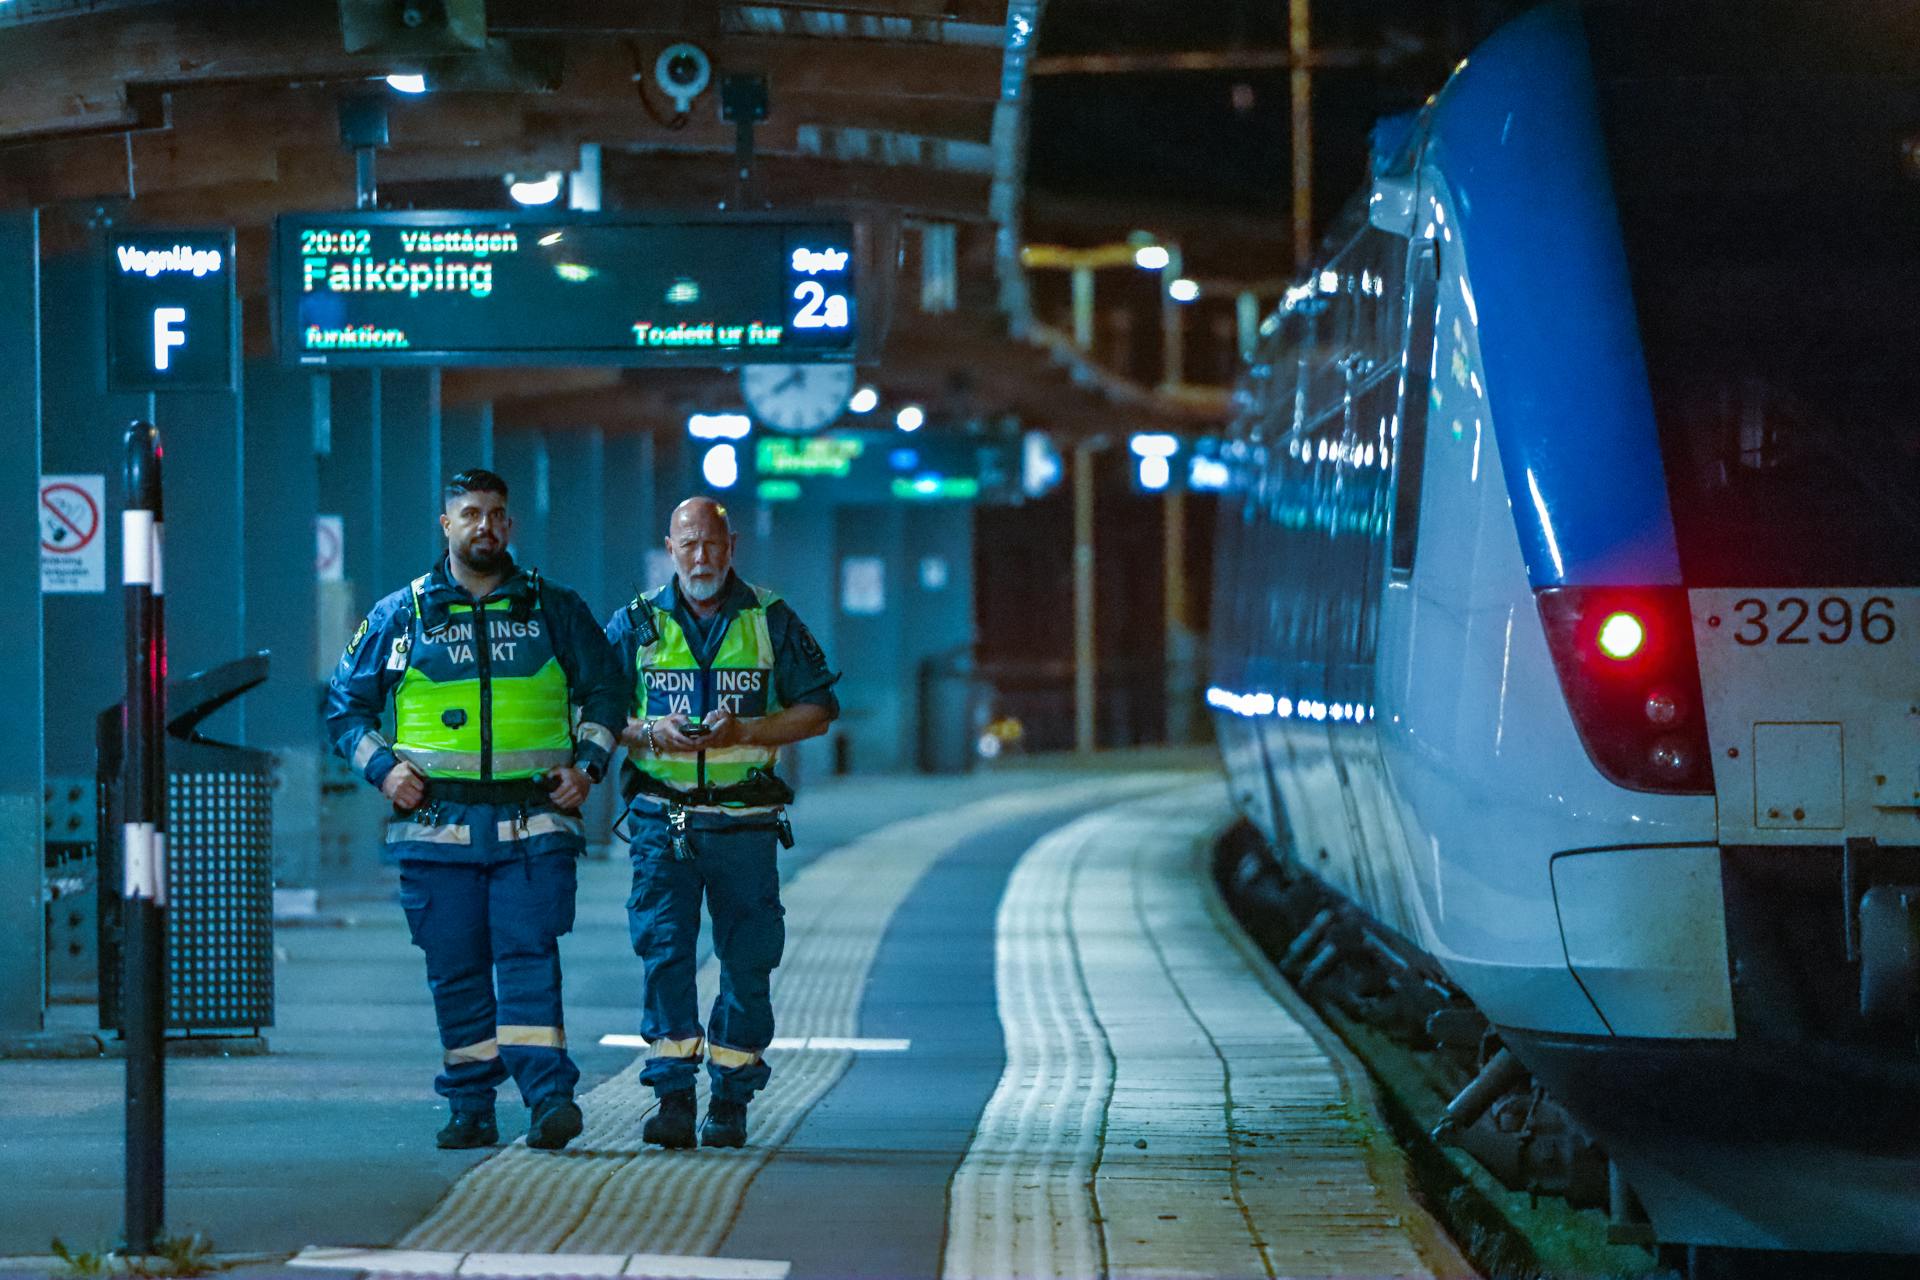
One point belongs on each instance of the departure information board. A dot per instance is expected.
(501, 288)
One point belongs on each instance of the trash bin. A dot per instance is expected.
(219, 862)
(949, 706)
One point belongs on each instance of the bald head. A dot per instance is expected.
(700, 540)
(699, 510)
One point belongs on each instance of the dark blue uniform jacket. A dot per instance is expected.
(545, 620)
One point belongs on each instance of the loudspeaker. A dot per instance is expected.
(413, 28)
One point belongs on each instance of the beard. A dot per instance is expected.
(483, 559)
(703, 589)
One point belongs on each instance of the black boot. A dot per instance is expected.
(672, 1125)
(468, 1129)
(726, 1124)
(556, 1122)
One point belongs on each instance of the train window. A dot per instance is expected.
(1416, 385)
(1766, 168)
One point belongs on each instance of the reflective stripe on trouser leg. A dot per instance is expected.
(485, 1051)
(749, 936)
(530, 905)
(685, 1050)
(446, 906)
(663, 919)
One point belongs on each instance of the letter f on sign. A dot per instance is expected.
(165, 335)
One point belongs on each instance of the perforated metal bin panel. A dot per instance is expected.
(219, 900)
(219, 879)
(219, 904)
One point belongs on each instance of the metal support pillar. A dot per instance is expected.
(23, 932)
(577, 540)
(1179, 639)
(1083, 307)
(346, 430)
(1300, 49)
(206, 443)
(351, 480)
(1246, 314)
(410, 457)
(632, 528)
(521, 459)
(281, 498)
(1173, 338)
(466, 438)
(939, 267)
(1085, 721)
(80, 426)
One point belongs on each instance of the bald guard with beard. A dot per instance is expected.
(724, 674)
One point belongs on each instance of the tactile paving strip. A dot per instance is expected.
(1166, 1108)
(608, 1194)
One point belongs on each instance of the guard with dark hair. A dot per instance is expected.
(485, 664)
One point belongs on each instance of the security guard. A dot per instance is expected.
(485, 662)
(725, 675)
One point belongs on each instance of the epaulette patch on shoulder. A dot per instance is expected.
(810, 651)
(353, 645)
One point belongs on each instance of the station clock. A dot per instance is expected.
(797, 398)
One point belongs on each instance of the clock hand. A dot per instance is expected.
(795, 379)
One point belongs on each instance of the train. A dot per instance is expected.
(1567, 621)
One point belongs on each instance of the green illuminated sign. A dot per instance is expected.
(809, 456)
(935, 488)
(778, 490)
(493, 287)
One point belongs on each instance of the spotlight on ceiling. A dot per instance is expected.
(406, 83)
(721, 466)
(719, 426)
(543, 190)
(865, 400)
(911, 418)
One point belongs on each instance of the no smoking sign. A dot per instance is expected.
(73, 552)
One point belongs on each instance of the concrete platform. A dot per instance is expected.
(1025, 1040)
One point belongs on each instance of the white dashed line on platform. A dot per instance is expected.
(833, 1044)
(432, 1262)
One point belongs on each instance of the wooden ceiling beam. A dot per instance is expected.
(72, 75)
(699, 17)
(661, 180)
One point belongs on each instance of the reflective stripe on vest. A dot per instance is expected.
(532, 717)
(670, 680)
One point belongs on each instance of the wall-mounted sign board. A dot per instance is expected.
(502, 287)
(171, 310)
(867, 465)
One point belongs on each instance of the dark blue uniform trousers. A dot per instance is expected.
(734, 867)
(478, 922)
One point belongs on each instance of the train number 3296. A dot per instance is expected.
(1828, 620)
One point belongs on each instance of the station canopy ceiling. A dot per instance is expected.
(908, 112)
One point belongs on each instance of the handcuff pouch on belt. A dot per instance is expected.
(682, 844)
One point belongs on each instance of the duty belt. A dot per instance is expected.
(517, 791)
(758, 790)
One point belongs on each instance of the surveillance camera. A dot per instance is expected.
(684, 71)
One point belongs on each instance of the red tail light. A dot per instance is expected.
(1627, 666)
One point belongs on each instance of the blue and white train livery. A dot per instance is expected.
(1569, 588)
